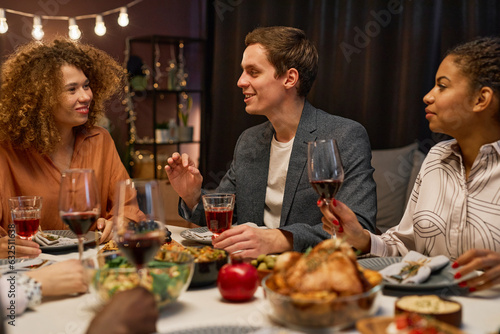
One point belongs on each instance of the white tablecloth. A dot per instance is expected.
(204, 307)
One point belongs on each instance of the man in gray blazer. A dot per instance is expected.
(268, 173)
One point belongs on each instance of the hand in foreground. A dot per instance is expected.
(339, 218)
(21, 248)
(250, 242)
(61, 278)
(128, 312)
(106, 226)
(479, 259)
(185, 178)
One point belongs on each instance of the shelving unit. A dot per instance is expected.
(172, 67)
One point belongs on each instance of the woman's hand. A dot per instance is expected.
(18, 247)
(479, 259)
(338, 218)
(61, 278)
(185, 178)
(106, 226)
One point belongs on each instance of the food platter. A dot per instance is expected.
(438, 280)
(88, 239)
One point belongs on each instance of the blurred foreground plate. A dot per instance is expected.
(233, 330)
(88, 240)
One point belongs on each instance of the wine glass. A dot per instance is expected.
(79, 202)
(324, 168)
(218, 212)
(139, 229)
(25, 212)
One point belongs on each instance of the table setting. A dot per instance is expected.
(327, 289)
(203, 310)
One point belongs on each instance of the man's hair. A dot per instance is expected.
(288, 48)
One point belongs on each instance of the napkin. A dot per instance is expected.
(414, 268)
(53, 240)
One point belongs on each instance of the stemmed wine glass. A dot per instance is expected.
(324, 168)
(79, 202)
(139, 229)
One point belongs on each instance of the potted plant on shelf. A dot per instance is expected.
(183, 110)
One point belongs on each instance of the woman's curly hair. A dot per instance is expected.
(32, 83)
(479, 60)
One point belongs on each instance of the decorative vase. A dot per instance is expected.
(185, 133)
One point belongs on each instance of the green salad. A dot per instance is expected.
(166, 280)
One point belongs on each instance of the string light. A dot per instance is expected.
(123, 17)
(100, 28)
(73, 30)
(37, 31)
(3, 22)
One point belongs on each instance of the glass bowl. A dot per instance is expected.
(167, 279)
(318, 314)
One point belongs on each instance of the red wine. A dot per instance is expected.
(26, 227)
(79, 222)
(140, 248)
(327, 188)
(219, 220)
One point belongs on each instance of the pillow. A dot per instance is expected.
(395, 173)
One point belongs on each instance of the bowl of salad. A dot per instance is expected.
(166, 277)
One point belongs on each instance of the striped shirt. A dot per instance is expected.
(448, 214)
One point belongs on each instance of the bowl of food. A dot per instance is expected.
(167, 278)
(324, 288)
(264, 264)
(207, 262)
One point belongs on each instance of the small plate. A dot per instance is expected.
(198, 234)
(218, 330)
(88, 239)
(443, 278)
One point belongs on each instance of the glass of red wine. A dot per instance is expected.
(79, 202)
(324, 168)
(218, 212)
(25, 212)
(139, 229)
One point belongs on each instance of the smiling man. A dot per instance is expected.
(268, 173)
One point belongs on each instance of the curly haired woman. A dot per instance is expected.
(455, 202)
(51, 96)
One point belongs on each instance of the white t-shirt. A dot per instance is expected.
(276, 180)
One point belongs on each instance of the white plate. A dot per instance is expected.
(443, 278)
(198, 234)
(233, 330)
(89, 238)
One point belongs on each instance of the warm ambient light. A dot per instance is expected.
(123, 17)
(37, 31)
(100, 28)
(74, 32)
(3, 22)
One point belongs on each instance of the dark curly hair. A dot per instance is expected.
(32, 82)
(479, 60)
(288, 48)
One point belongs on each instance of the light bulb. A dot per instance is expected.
(100, 28)
(123, 17)
(74, 32)
(3, 22)
(37, 31)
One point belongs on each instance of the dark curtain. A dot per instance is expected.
(377, 60)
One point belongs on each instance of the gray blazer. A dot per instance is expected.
(247, 177)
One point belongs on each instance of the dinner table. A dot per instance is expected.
(203, 310)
